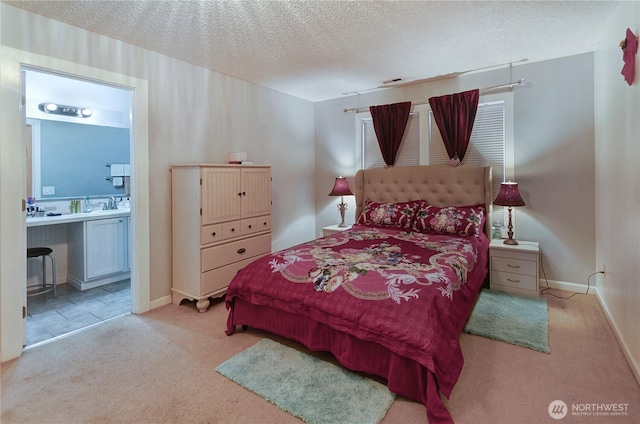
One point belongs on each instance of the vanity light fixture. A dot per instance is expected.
(56, 109)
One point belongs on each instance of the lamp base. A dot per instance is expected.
(510, 240)
(342, 207)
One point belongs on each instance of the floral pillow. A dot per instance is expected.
(397, 215)
(459, 220)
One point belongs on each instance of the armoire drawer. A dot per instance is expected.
(254, 225)
(263, 223)
(231, 229)
(217, 256)
(217, 280)
(210, 233)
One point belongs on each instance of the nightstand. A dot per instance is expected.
(333, 229)
(514, 268)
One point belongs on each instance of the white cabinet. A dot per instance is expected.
(514, 268)
(98, 252)
(221, 221)
(105, 247)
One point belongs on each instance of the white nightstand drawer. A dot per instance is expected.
(515, 254)
(518, 266)
(334, 229)
(510, 279)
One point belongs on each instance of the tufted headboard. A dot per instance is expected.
(438, 185)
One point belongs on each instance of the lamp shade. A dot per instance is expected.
(509, 195)
(341, 188)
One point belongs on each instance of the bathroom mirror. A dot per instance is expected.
(69, 160)
(67, 154)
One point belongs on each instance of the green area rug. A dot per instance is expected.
(309, 388)
(518, 320)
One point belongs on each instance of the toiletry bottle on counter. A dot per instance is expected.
(87, 205)
(31, 206)
(74, 206)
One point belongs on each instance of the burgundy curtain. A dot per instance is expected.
(389, 122)
(455, 114)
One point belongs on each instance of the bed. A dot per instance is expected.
(391, 295)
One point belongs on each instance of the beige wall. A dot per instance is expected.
(617, 134)
(554, 160)
(554, 156)
(195, 115)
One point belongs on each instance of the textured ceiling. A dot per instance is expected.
(318, 50)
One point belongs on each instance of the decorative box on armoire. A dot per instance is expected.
(221, 221)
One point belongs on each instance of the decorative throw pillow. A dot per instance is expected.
(460, 220)
(396, 215)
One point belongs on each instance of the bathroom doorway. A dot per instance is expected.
(12, 219)
(60, 169)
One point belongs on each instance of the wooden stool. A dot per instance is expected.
(37, 252)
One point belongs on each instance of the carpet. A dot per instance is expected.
(517, 320)
(309, 388)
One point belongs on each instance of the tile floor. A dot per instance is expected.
(72, 309)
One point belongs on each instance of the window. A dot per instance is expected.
(487, 146)
(372, 158)
(491, 141)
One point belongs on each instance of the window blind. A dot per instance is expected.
(410, 145)
(487, 144)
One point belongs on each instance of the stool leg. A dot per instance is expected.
(53, 273)
(44, 273)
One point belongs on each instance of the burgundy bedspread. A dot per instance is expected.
(408, 292)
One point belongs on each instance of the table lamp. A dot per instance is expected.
(341, 188)
(509, 196)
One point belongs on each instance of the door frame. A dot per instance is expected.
(13, 187)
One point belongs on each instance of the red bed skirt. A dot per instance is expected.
(403, 376)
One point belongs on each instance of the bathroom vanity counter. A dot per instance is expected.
(77, 217)
(92, 249)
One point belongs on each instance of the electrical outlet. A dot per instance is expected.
(48, 190)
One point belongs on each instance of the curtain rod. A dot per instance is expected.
(484, 90)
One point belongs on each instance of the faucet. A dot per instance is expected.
(111, 205)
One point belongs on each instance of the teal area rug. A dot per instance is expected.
(309, 388)
(517, 320)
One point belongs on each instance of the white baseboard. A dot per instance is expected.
(565, 285)
(92, 284)
(635, 367)
(160, 302)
